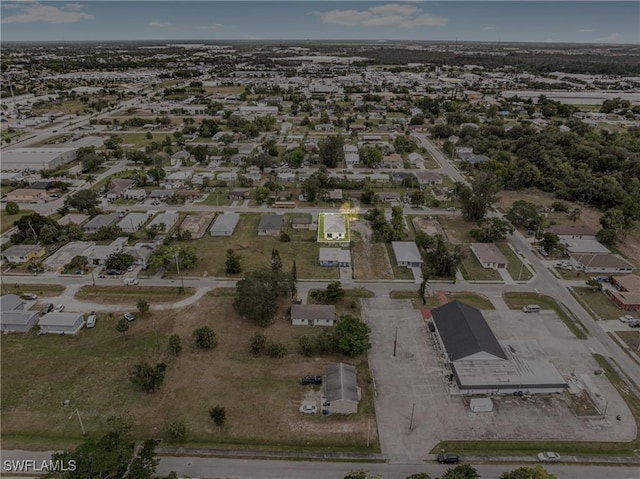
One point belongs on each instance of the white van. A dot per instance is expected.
(130, 281)
(531, 308)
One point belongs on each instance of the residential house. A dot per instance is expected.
(387, 197)
(349, 149)
(225, 224)
(333, 195)
(239, 194)
(569, 232)
(313, 315)
(75, 218)
(164, 221)
(23, 253)
(334, 257)
(407, 254)
(489, 255)
(604, 263)
(101, 221)
(98, 254)
(393, 161)
(351, 159)
(301, 222)
(180, 158)
(133, 221)
(26, 195)
(428, 178)
(117, 188)
(141, 252)
(61, 323)
(177, 179)
(270, 225)
(341, 393)
(473, 158)
(286, 177)
(414, 158)
(160, 195)
(333, 228)
(135, 194)
(627, 296)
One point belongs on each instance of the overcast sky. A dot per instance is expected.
(534, 21)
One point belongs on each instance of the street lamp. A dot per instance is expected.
(175, 255)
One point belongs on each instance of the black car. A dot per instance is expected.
(114, 272)
(304, 380)
(448, 458)
(46, 309)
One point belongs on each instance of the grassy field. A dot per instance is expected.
(255, 251)
(218, 197)
(370, 261)
(457, 229)
(7, 221)
(471, 268)
(39, 289)
(119, 294)
(70, 107)
(631, 339)
(261, 395)
(138, 140)
(598, 302)
(472, 299)
(514, 266)
(519, 300)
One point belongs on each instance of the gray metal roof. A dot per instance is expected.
(270, 222)
(406, 251)
(102, 220)
(10, 302)
(465, 332)
(60, 319)
(17, 318)
(225, 222)
(340, 383)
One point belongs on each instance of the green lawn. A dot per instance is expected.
(598, 302)
(139, 140)
(515, 267)
(519, 300)
(119, 294)
(7, 221)
(255, 251)
(39, 289)
(218, 197)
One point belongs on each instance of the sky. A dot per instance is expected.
(447, 20)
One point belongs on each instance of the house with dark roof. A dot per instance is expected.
(313, 314)
(341, 393)
(101, 221)
(481, 364)
(566, 232)
(270, 225)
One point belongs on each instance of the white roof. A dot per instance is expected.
(406, 251)
(334, 223)
(60, 319)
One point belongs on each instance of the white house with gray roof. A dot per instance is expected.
(341, 394)
(313, 314)
(61, 323)
(98, 254)
(407, 254)
(168, 219)
(225, 224)
(270, 225)
(133, 221)
(334, 257)
(101, 221)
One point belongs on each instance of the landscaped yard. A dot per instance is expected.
(598, 302)
(131, 294)
(255, 251)
(7, 221)
(515, 267)
(91, 370)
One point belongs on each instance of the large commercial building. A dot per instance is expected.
(36, 159)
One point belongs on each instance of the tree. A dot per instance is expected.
(262, 194)
(77, 263)
(277, 350)
(258, 343)
(352, 336)
(276, 261)
(205, 337)
(331, 151)
(232, 264)
(404, 144)
(29, 227)
(419, 475)
(461, 471)
(49, 234)
(218, 414)
(149, 136)
(83, 200)
(187, 257)
(305, 346)
(594, 284)
(119, 261)
(549, 241)
(331, 294)
(142, 305)
(476, 199)
(157, 174)
(177, 431)
(370, 156)
(442, 259)
(175, 344)
(575, 213)
(418, 198)
(122, 326)
(148, 377)
(112, 455)
(607, 237)
(112, 142)
(12, 208)
(536, 472)
(525, 214)
(295, 157)
(491, 230)
(257, 294)
(359, 474)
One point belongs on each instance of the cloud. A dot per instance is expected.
(159, 24)
(391, 14)
(611, 38)
(37, 12)
(74, 6)
(586, 30)
(215, 26)
(489, 28)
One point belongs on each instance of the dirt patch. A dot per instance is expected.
(427, 224)
(197, 225)
(370, 259)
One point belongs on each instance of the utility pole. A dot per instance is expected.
(93, 279)
(178, 270)
(413, 408)
(395, 343)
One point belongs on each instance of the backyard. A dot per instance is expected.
(91, 370)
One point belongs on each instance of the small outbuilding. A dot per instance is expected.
(61, 323)
(341, 391)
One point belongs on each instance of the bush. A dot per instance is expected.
(218, 414)
(205, 337)
(175, 344)
(258, 343)
(12, 208)
(277, 350)
(177, 431)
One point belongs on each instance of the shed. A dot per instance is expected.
(313, 314)
(225, 224)
(61, 323)
(481, 405)
(341, 391)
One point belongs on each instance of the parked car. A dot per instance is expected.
(304, 380)
(47, 309)
(309, 409)
(448, 458)
(29, 296)
(131, 268)
(114, 272)
(628, 319)
(59, 308)
(549, 457)
(635, 324)
(129, 316)
(91, 319)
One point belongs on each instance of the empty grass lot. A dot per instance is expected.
(261, 395)
(7, 221)
(39, 289)
(255, 251)
(631, 339)
(138, 140)
(515, 266)
(218, 197)
(119, 294)
(598, 302)
(370, 260)
(519, 300)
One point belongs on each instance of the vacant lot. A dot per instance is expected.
(261, 395)
(255, 251)
(7, 221)
(138, 140)
(70, 107)
(456, 229)
(599, 303)
(130, 294)
(370, 260)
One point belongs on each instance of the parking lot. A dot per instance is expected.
(64, 255)
(414, 380)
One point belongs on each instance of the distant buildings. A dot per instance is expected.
(36, 159)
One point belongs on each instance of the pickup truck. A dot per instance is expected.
(304, 380)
